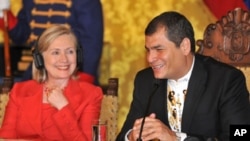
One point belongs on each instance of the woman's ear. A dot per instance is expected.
(185, 46)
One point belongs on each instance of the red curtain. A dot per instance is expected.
(221, 7)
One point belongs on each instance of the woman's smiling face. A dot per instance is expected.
(60, 58)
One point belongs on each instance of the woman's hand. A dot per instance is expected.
(56, 98)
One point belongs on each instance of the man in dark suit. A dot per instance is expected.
(207, 96)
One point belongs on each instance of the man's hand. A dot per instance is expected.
(153, 129)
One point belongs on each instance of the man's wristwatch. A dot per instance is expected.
(180, 136)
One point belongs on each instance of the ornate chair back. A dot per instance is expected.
(228, 41)
(109, 108)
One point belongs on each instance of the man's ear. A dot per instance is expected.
(185, 46)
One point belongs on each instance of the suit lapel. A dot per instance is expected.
(163, 90)
(32, 106)
(74, 94)
(196, 86)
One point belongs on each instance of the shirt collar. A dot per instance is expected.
(186, 77)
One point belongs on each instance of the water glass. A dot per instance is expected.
(99, 130)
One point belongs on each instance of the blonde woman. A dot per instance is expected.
(57, 104)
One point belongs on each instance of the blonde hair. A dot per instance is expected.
(44, 41)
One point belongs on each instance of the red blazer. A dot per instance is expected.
(23, 116)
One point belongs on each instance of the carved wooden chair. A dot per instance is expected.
(228, 41)
(4, 95)
(109, 109)
(4, 98)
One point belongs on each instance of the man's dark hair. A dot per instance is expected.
(176, 25)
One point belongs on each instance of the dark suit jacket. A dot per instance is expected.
(216, 97)
(23, 116)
